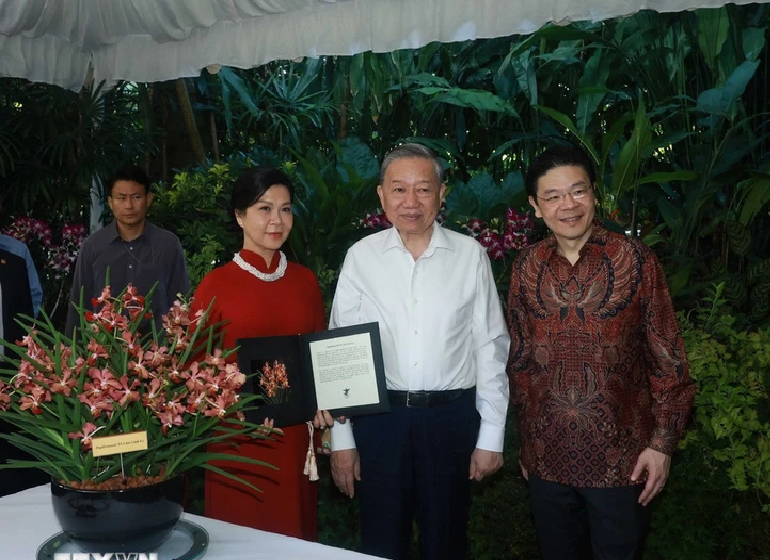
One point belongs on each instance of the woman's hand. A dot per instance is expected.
(267, 429)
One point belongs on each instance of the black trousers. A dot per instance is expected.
(16, 480)
(588, 523)
(414, 465)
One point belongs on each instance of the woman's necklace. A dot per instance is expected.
(265, 277)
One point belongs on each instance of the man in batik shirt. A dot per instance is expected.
(598, 371)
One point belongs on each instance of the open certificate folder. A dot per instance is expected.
(339, 370)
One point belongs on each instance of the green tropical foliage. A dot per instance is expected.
(732, 413)
(195, 206)
(59, 392)
(56, 145)
(672, 108)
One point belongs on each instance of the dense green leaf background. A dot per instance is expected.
(672, 108)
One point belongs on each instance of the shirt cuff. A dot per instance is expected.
(664, 441)
(490, 438)
(342, 436)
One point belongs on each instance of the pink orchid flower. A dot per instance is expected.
(85, 435)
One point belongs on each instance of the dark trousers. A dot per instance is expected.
(584, 523)
(414, 465)
(16, 480)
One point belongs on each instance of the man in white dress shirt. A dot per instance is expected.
(445, 347)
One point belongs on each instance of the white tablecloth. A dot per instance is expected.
(27, 520)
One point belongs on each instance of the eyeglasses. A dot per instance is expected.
(556, 199)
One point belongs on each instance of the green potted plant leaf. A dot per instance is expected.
(116, 417)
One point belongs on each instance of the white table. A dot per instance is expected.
(27, 520)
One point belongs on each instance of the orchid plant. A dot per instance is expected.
(55, 252)
(498, 236)
(274, 382)
(174, 383)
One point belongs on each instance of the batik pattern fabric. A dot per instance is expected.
(597, 365)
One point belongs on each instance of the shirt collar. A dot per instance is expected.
(112, 227)
(438, 240)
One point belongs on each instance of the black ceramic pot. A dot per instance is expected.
(130, 520)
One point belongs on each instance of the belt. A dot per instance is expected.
(426, 399)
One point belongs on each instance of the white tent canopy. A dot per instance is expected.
(58, 41)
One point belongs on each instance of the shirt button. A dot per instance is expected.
(415, 332)
(130, 266)
(415, 301)
(131, 247)
(415, 364)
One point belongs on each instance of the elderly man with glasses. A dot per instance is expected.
(599, 376)
(445, 346)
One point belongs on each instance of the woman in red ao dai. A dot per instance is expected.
(257, 294)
